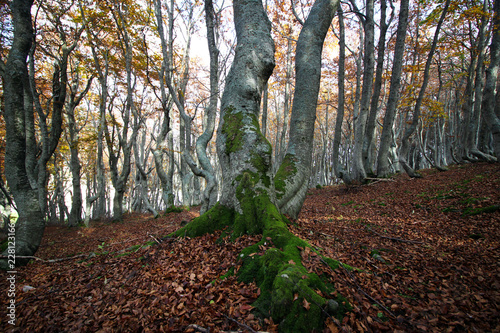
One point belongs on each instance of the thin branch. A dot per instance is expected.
(240, 324)
(295, 13)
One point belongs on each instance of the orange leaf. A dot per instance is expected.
(306, 304)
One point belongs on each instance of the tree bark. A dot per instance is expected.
(488, 105)
(403, 153)
(358, 170)
(368, 143)
(247, 204)
(337, 164)
(75, 216)
(387, 138)
(292, 178)
(30, 224)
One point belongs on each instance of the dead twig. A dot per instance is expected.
(47, 260)
(199, 328)
(240, 324)
(156, 240)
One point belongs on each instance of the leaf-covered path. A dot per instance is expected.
(426, 254)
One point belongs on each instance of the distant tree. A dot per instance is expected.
(387, 139)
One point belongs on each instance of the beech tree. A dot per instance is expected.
(251, 196)
(30, 224)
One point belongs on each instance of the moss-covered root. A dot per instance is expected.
(217, 218)
(296, 299)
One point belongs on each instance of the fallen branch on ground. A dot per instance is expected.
(48, 260)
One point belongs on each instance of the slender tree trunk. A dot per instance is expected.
(292, 178)
(368, 143)
(387, 138)
(75, 216)
(403, 153)
(358, 170)
(337, 164)
(207, 171)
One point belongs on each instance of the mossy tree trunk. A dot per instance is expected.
(248, 204)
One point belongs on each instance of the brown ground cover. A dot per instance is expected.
(425, 253)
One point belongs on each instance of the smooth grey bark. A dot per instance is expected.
(119, 178)
(292, 177)
(368, 143)
(488, 104)
(241, 147)
(164, 141)
(280, 149)
(387, 137)
(103, 73)
(75, 215)
(337, 165)
(358, 170)
(405, 146)
(471, 145)
(30, 224)
(207, 171)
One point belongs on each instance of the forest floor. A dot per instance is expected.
(426, 254)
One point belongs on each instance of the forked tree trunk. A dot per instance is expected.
(30, 224)
(247, 204)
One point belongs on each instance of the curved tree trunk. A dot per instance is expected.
(403, 153)
(30, 224)
(292, 178)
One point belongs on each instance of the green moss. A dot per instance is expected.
(233, 123)
(286, 169)
(286, 285)
(174, 209)
(481, 210)
(4, 245)
(216, 218)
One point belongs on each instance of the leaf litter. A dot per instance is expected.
(420, 255)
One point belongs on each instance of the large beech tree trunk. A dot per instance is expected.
(30, 224)
(248, 201)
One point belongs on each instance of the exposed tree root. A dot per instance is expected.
(295, 298)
